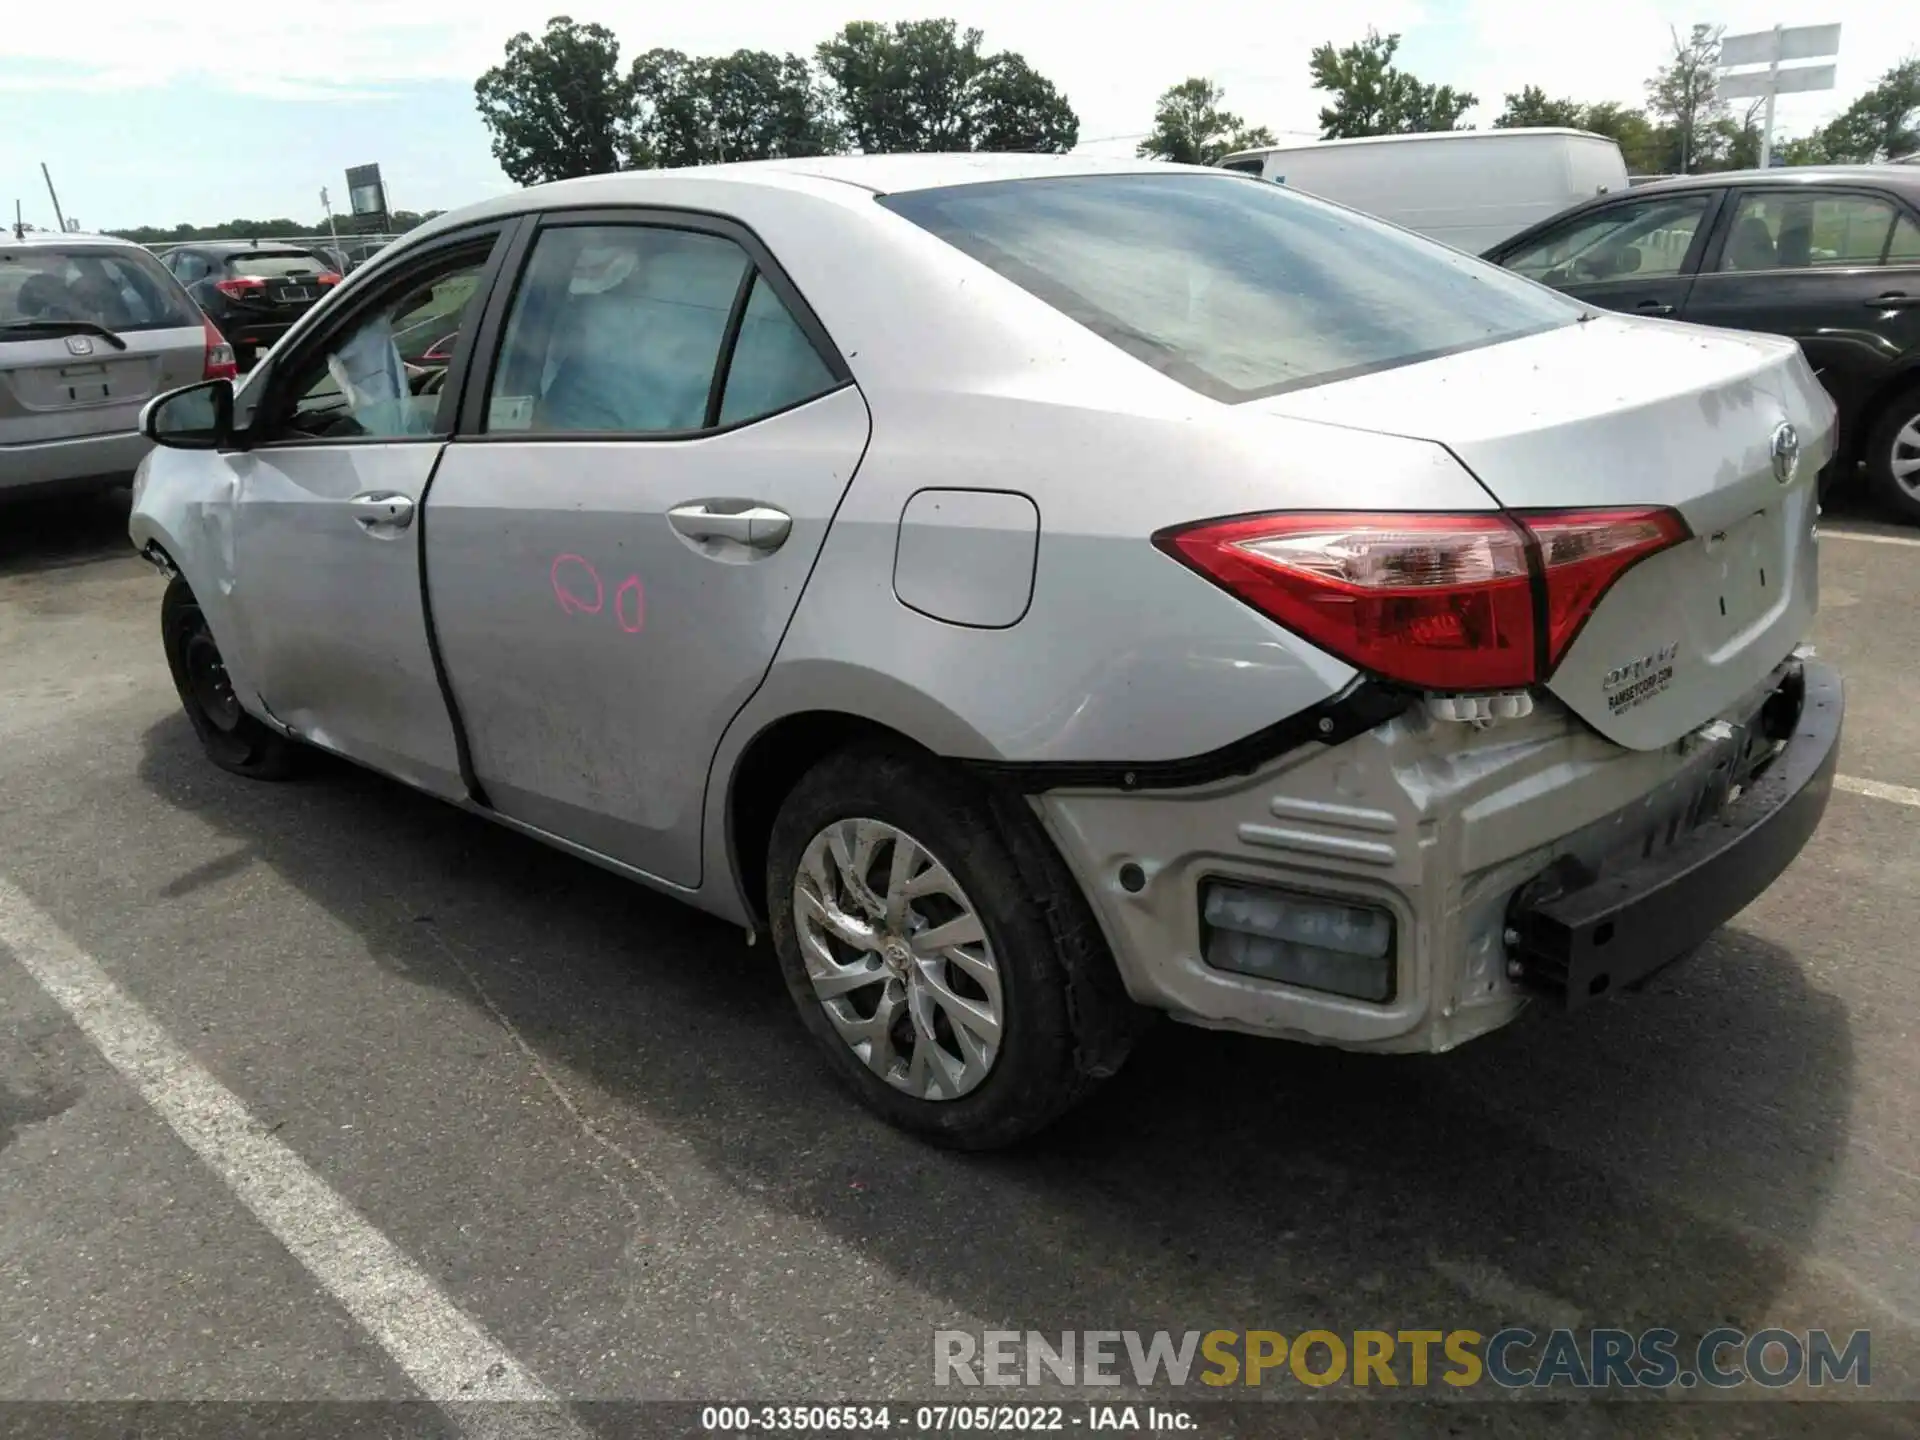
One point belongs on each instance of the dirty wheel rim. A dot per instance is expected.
(1905, 460)
(207, 679)
(898, 959)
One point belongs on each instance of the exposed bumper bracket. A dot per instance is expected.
(1584, 942)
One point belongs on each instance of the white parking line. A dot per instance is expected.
(1827, 532)
(1878, 789)
(442, 1349)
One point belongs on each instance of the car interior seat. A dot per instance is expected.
(639, 357)
(45, 297)
(1750, 247)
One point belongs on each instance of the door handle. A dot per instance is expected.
(1893, 300)
(758, 527)
(381, 510)
(1654, 307)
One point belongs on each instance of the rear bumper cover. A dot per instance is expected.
(80, 461)
(1622, 927)
(1471, 840)
(241, 330)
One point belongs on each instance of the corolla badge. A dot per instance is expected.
(1785, 448)
(79, 345)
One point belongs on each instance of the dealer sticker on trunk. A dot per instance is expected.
(1638, 681)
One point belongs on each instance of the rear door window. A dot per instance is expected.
(630, 329)
(1905, 246)
(1234, 287)
(123, 290)
(1806, 230)
(774, 365)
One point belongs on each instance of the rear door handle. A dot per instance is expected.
(381, 511)
(758, 527)
(1893, 300)
(1654, 307)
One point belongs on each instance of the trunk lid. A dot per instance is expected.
(56, 387)
(281, 283)
(1622, 412)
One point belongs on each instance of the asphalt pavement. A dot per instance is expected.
(327, 1092)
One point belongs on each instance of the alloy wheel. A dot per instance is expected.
(898, 958)
(1904, 463)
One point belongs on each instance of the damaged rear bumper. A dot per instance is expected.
(1618, 928)
(1499, 855)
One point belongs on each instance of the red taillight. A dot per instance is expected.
(242, 287)
(219, 363)
(1443, 602)
(1582, 552)
(327, 277)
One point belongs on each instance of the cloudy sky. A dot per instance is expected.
(151, 113)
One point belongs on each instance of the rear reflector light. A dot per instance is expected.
(219, 360)
(243, 288)
(1442, 602)
(1301, 940)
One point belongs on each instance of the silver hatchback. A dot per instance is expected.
(91, 328)
(1038, 593)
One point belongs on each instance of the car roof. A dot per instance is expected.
(840, 177)
(230, 248)
(893, 174)
(1899, 177)
(67, 239)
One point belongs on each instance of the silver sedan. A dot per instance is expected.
(1038, 593)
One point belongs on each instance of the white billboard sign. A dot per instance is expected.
(1767, 47)
(1784, 82)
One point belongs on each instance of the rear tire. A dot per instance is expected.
(1893, 456)
(233, 739)
(984, 1039)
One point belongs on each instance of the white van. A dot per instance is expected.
(1469, 188)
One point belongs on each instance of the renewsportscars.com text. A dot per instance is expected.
(1513, 1358)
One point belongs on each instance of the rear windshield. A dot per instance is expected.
(1233, 286)
(277, 266)
(120, 289)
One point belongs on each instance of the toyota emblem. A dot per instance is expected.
(1786, 453)
(79, 345)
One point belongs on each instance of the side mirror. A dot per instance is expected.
(195, 417)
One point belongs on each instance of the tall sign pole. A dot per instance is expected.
(47, 175)
(333, 232)
(1773, 94)
(1741, 80)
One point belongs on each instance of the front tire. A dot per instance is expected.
(938, 950)
(233, 739)
(1893, 456)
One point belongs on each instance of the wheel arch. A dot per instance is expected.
(801, 715)
(1904, 378)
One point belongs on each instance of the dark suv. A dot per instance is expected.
(1830, 257)
(252, 290)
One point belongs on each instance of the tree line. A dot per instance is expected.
(280, 227)
(561, 104)
(1684, 125)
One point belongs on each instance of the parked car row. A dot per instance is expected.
(1828, 257)
(252, 292)
(1037, 592)
(93, 327)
